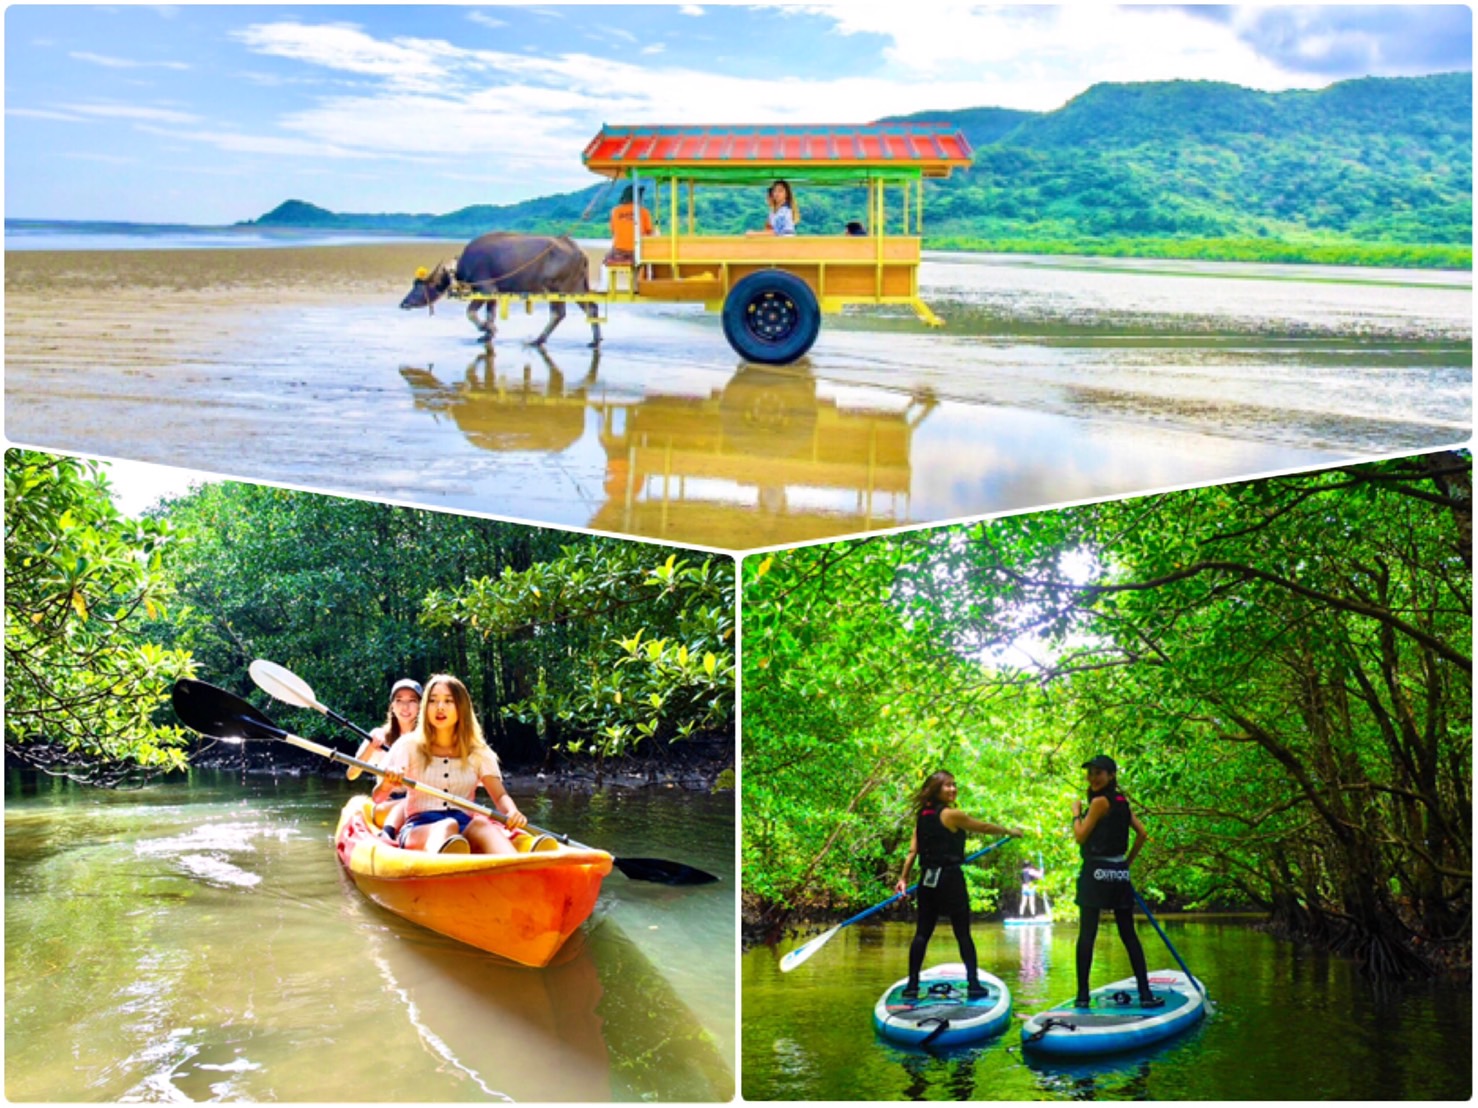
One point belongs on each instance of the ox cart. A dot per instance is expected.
(772, 289)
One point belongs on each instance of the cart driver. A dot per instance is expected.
(624, 222)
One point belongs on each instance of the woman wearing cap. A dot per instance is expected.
(447, 750)
(1102, 834)
(400, 719)
(939, 844)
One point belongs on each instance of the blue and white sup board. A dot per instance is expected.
(942, 1015)
(1027, 921)
(1115, 1021)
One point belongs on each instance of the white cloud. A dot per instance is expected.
(402, 63)
(132, 111)
(106, 159)
(238, 143)
(45, 113)
(619, 33)
(691, 9)
(123, 63)
(1039, 57)
(485, 20)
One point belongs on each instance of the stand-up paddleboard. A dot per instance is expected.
(1041, 919)
(1115, 1021)
(942, 1015)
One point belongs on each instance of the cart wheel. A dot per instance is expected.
(771, 317)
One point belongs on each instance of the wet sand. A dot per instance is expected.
(294, 365)
(84, 309)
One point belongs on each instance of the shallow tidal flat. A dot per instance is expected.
(1054, 380)
(73, 310)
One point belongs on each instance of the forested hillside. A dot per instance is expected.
(1375, 161)
(1375, 170)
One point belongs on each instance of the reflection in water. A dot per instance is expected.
(1035, 946)
(506, 414)
(954, 1072)
(1125, 1076)
(455, 1003)
(796, 464)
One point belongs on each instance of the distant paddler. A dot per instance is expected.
(1030, 875)
(939, 844)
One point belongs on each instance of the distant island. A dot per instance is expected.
(1375, 171)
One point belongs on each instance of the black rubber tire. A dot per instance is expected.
(771, 317)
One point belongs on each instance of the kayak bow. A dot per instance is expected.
(519, 906)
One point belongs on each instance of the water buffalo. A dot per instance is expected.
(503, 262)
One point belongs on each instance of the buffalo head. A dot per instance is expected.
(429, 287)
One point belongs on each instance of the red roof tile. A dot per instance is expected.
(934, 148)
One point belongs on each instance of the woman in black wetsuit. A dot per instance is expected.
(939, 844)
(1102, 833)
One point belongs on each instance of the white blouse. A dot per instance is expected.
(458, 776)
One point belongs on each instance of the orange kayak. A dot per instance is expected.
(519, 906)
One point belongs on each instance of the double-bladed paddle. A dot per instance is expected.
(811, 946)
(215, 712)
(283, 684)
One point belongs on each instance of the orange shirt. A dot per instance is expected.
(623, 226)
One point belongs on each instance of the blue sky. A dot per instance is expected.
(213, 114)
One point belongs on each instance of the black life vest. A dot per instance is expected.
(938, 845)
(1110, 838)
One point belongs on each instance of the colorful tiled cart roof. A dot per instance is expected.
(932, 149)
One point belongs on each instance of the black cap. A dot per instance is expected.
(1103, 762)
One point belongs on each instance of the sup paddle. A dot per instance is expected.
(811, 946)
(1171, 946)
(283, 684)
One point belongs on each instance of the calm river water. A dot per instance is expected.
(1289, 1025)
(196, 941)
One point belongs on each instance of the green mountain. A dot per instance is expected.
(982, 126)
(1374, 160)
(1370, 170)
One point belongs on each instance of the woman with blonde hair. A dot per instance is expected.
(447, 750)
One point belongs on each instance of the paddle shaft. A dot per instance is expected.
(1169, 945)
(420, 786)
(430, 790)
(915, 885)
(803, 952)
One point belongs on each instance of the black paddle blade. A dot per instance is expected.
(663, 873)
(215, 712)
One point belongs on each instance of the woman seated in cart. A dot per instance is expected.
(784, 214)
